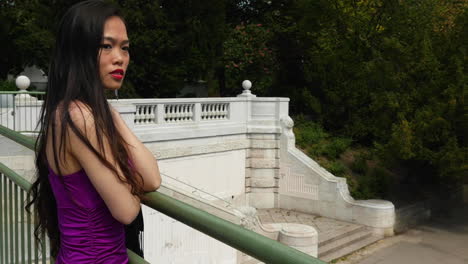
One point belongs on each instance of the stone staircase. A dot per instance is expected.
(335, 238)
(341, 242)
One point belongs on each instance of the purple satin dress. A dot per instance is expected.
(88, 231)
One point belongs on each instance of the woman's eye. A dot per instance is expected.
(106, 46)
(126, 48)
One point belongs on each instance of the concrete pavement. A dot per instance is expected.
(442, 240)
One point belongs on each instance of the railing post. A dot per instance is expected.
(13, 113)
(2, 232)
(10, 212)
(197, 111)
(160, 111)
(23, 250)
(16, 222)
(246, 85)
(127, 112)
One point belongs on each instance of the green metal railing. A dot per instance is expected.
(19, 110)
(17, 243)
(249, 242)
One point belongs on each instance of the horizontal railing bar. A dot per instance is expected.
(249, 242)
(18, 92)
(15, 177)
(134, 258)
(17, 137)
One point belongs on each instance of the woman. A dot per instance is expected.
(92, 170)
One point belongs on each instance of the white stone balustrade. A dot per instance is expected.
(145, 114)
(177, 113)
(215, 111)
(159, 111)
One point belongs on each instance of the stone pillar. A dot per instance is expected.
(262, 157)
(27, 108)
(262, 170)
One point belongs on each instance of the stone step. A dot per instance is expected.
(344, 241)
(252, 261)
(343, 251)
(330, 237)
(246, 259)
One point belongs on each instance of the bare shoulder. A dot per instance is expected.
(76, 109)
(82, 124)
(82, 118)
(81, 115)
(79, 111)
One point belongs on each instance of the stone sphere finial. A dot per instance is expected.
(246, 85)
(22, 82)
(23, 98)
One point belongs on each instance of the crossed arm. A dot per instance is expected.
(141, 157)
(123, 205)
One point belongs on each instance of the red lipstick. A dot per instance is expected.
(117, 74)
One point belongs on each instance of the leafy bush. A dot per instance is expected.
(7, 86)
(312, 138)
(336, 168)
(336, 147)
(353, 186)
(359, 165)
(374, 184)
(391, 85)
(312, 133)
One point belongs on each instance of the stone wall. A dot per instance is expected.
(307, 187)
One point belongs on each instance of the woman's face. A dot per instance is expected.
(114, 53)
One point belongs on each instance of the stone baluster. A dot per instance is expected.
(138, 114)
(167, 113)
(212, 112)
(152, 113)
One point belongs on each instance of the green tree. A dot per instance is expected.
(248, 54)
(27, 33)
(197, 30)
(153, 69)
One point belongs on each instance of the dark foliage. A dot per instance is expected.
(388, 74)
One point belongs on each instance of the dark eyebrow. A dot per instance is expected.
(111, 39)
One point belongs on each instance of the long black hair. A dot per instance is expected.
(74, 76)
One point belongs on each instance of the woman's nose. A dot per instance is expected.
(118, 57)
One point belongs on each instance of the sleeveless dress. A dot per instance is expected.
(88, 231)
